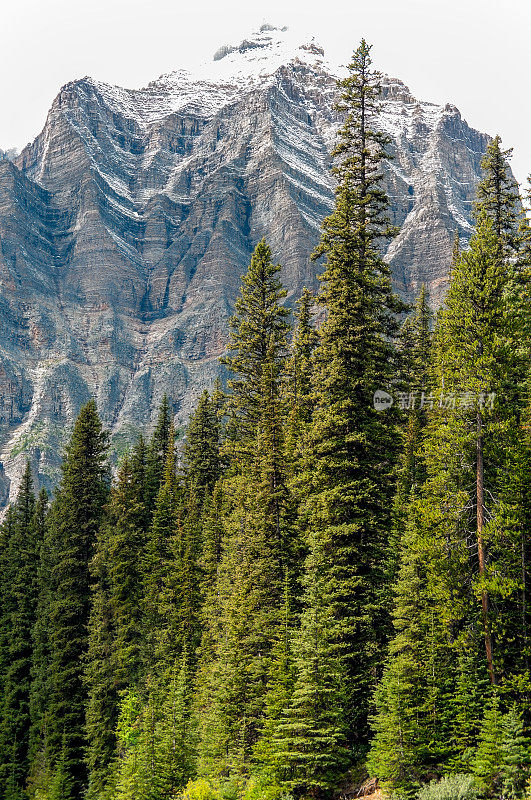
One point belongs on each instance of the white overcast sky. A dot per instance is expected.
(473, 53)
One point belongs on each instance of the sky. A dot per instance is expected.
(467, 52)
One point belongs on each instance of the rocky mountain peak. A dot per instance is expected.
(263, 52)
(126, 225)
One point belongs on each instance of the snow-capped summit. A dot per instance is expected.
(232, 69)
(260, 55)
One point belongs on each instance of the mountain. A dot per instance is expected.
(126, 225)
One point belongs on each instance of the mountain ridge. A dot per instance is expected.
(126, 225)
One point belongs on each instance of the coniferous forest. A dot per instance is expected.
(310, 589)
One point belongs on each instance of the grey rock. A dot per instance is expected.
(126, 225)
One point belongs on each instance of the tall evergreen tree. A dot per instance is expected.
(257, 343)
(202, 461)
(157, 566)
(115, 628)
(465, 528)
(21, 558)
(498, 197)
(244, 622)
(40, 687)
(351, 476)
(76, 516)
(477, 329)
(412, 726)
(157, 451)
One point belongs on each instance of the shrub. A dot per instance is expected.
(258, 790)
(200, 789)
(451, 787)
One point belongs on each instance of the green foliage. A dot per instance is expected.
(157, 452)
(457, 532)
(200, 789)
(75, 518)
(243, 622)
(202, 460)
(411, 727)
(156, 744)
(349, 471)
(62, 783)
(498, 197)
(22, 535)
(304, 588)
(460, 786)
(503, 755)
(257, 348)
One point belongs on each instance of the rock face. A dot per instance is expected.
(126, 225)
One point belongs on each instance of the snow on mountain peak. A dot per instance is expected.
(260, 55)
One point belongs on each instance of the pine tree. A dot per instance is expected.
(488, 762)
(76, 516)
(307, 745)
(516, 756)
(40, 689)
(140, 479)
(458, 527)
(159, 644)
(202, 462)
(125, 545)
(243, 623)
(62, 785)
(157, 452)
(498, 197)
(412, 726)
(267, 753)
(476, 356)
(21, 557)
(156, 740)
(467, 703)
(257, 342)
(299, 373)
(100, 676)
(178, 743)
(350, 476)
(115, 628)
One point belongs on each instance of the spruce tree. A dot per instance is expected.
(465, 526)
(307, 744)
(351, 471)
(159, 643)
(488, 762)
(244, 621)
(412, 726)
(157, 452)
(115, 629)
(476, 357)
(498, 197)
(76, 516)
(257, 342)
(140, 479)
(39, 744)
(20, 595)
(202, 462)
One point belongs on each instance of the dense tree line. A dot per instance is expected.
(310, 590)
